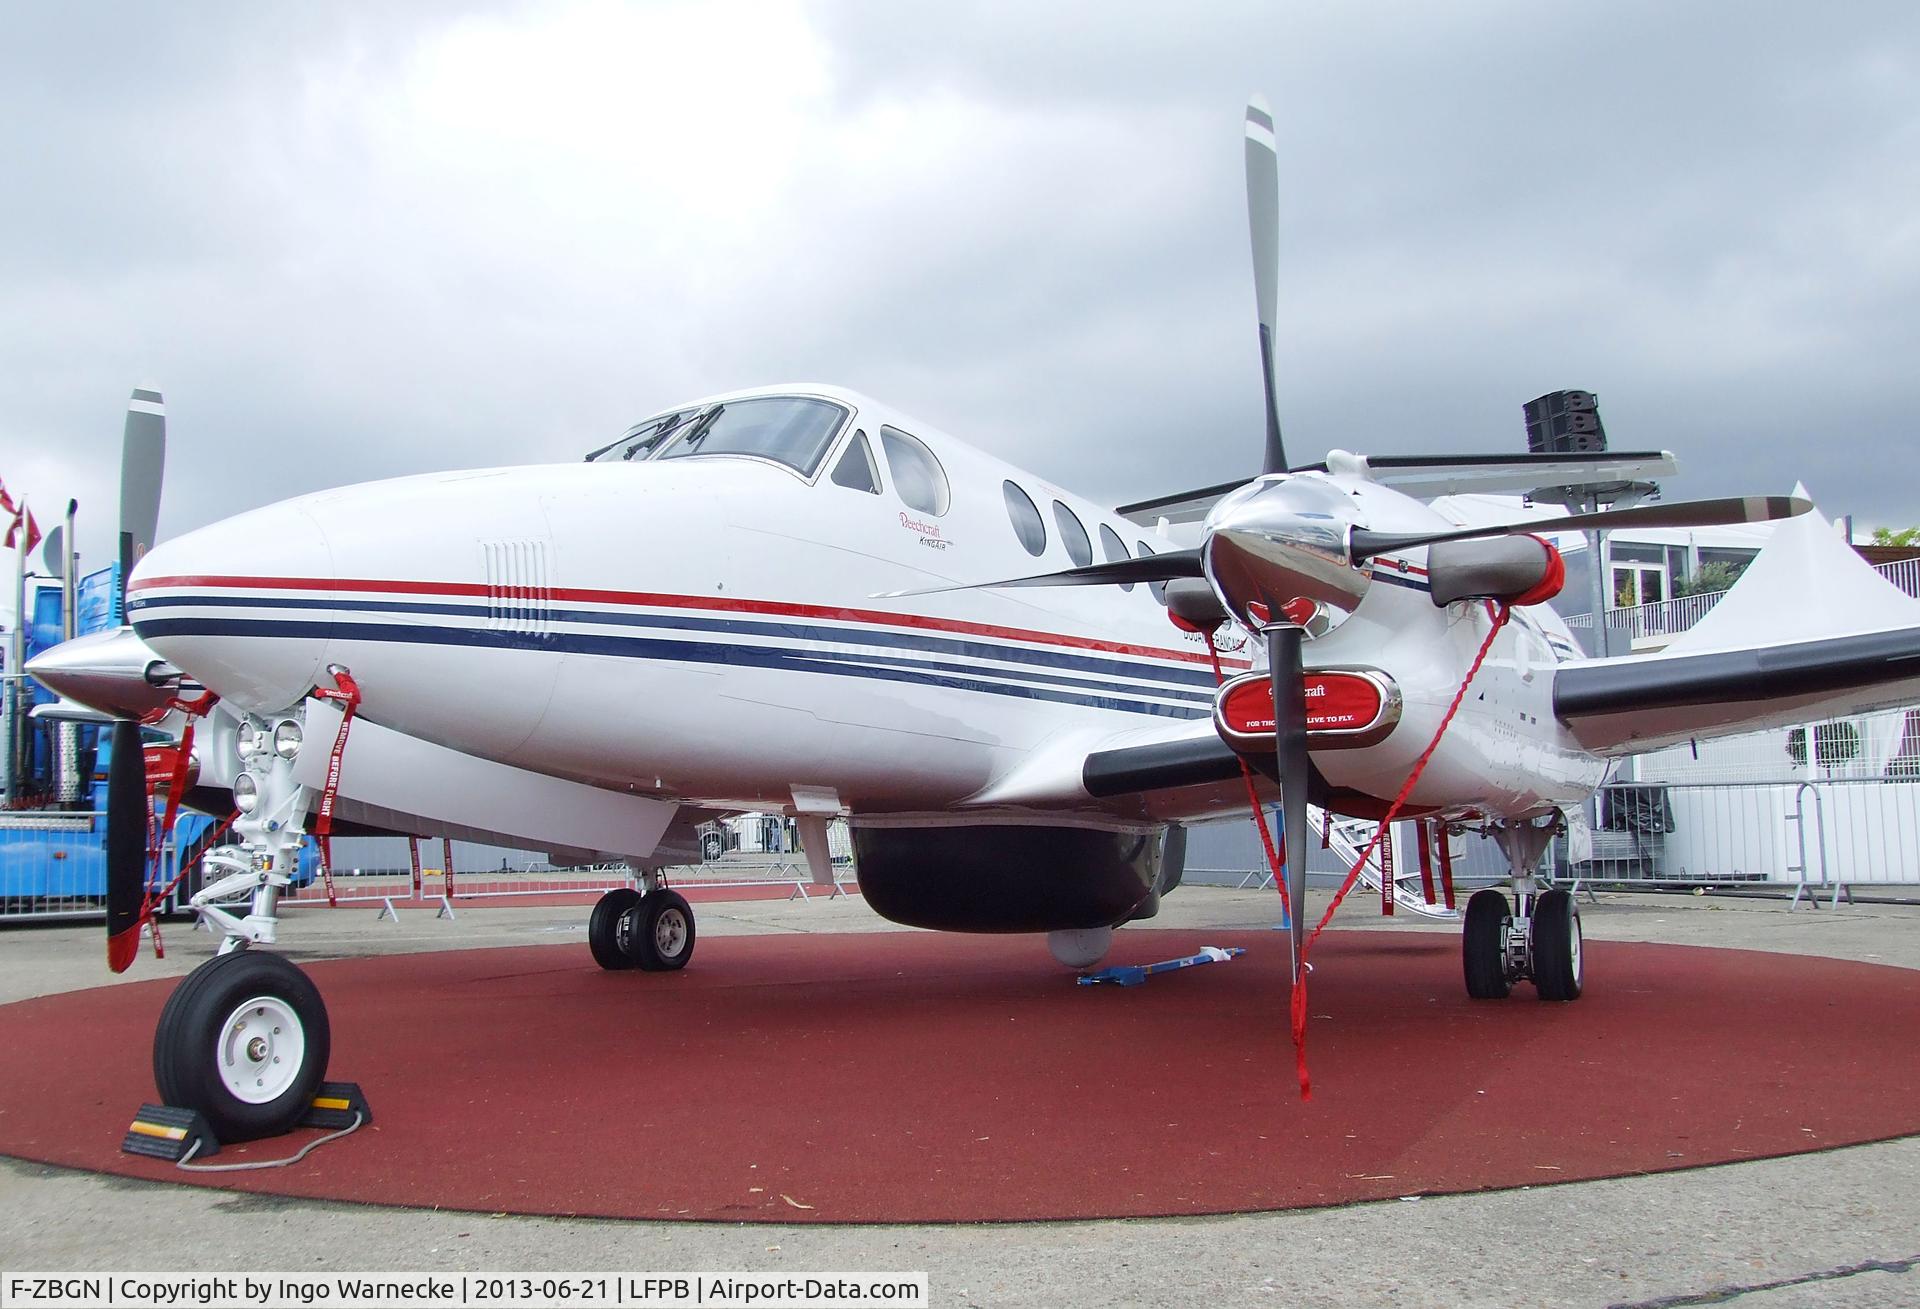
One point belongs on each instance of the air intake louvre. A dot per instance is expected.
(519, 599)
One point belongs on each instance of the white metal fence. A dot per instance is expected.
(53, 865)
(1672, 617)
(1814, 836)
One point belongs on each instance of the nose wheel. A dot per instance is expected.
(244, 1040)
(1540, 944)
(652, 932)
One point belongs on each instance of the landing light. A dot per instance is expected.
(246, 793)
(286, 739)
(248, 739)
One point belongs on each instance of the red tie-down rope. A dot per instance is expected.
(1274, 859)
(159, 833)
(348, 698)
(1501, 611)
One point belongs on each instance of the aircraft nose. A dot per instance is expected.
(241, 606)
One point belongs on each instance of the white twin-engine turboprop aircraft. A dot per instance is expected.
(798, 598)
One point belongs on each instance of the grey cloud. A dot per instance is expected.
(1023, 222)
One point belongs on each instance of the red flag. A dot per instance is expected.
(24, 515)
(6, 502)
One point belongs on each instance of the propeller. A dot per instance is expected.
(143, 458)
(128, 810)
(1363, 544)
(1263, 225)
(1287, 677)
(1149, 568)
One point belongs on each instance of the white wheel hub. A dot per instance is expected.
(670, 933)
(1573, 947)
(262, 1048)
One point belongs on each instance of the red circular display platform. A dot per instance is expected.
(917, 1077)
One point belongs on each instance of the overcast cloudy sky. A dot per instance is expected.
(356, 241)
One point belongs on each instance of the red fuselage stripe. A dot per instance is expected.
(832, 613)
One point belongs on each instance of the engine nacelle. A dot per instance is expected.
(1013, 878)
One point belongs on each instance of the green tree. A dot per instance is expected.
(1905, 536)
(1712, 576)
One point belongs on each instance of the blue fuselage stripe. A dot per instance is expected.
(840, 663)
(1199, 680)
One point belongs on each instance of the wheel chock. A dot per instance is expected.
(336, 1105)
(1135, 974)
(160, 1131)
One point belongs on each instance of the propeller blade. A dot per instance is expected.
(1284, 670)
(1263, 225)
(128, 807)
(1690, 513)
(1151, 568)
(143, 458)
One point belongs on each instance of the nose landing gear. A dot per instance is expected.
(1535, 937)
(244, 1038)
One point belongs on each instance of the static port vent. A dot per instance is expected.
(519, 599)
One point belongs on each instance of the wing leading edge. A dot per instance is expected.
(1809, 632)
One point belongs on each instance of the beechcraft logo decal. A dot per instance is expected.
(929, 533)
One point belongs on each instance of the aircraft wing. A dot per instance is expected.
(1175, 770)
(1427, 476)
(1809, 632)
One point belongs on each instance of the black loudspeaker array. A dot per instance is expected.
(1564, 422)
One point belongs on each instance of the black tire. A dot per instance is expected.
(1483, 948)
(712, 846)
(203, 1047)
(1556, 946)
(605, 934)
(662, 936)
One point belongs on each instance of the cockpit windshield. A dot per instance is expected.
(791, 430)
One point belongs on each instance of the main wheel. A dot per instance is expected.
(1483, 945)
(1556, 946)
(244, 1040)
(605, 934)
(660, 931)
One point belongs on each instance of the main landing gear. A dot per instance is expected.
(1534, 937)
(651, 929)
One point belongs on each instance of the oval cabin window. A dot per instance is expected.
(1027, 523)
(1079, 548)
(1113, 550)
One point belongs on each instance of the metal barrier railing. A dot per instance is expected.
(430, 877)
(53, 865)
(1672, 617)
(1814, 835)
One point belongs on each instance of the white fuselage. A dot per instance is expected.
(705, 629)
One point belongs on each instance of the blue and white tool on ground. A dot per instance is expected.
(1135, 974)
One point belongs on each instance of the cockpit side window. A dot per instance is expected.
(1074, 534)
(917, 476)
(855, 469)
(1113, 550)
